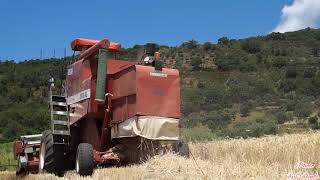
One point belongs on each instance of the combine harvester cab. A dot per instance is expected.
(112, 112)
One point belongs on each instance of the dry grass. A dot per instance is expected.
(263, 158)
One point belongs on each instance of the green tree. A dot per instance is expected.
(245, 109)
(302, 109)
(192, 44)
(223, 41)
(207, 46)
(251, 46)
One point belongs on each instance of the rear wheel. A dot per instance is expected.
(84, 159)
(51, 156)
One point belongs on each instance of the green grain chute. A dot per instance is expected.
(101, 76)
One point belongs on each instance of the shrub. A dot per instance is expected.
(192, 44)
(245, 109)
(197, 134)
(309, 72)
(207, 46)
(276, 36)
(252, 46)
(313, 120)
(251, 129)
(200, 85)
(290, 105)
(195, 63)
(302, 109)
(281, 116)
(223, 41)
(280, 62)
(288, 85)
(218, 119)
(291, 72)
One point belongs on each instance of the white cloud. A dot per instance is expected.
(301, 14)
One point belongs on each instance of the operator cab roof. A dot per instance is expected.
(79, 43)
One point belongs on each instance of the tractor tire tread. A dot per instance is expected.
(53, 159)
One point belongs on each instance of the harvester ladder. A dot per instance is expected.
(60, 123)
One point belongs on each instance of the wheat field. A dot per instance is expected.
(271, 157)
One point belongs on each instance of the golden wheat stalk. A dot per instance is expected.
(271, 157)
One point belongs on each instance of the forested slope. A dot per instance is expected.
(247, 87)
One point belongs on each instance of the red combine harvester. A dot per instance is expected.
(112, 111)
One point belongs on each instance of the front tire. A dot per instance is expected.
(84, 159)
(51, 156)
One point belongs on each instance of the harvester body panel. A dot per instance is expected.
(136, 90)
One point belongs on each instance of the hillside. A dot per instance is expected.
(272, 157)
(236, 88)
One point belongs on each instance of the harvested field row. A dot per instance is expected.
(263, 158)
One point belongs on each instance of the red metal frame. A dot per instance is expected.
(104, 157)
(33, 158)
(33, 164)
(17, 148)
(131, 90)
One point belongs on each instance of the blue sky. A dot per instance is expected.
(28, 26)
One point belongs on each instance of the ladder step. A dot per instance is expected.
(60, 132)
(60, 122)
(55, 103)
(59, 108)
(63, 113)
(58, 143)
(58, 98)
